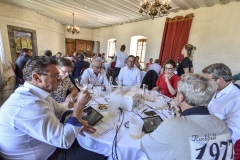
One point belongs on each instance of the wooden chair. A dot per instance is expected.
(18, 80)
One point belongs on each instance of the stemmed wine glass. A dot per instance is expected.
(81, 86)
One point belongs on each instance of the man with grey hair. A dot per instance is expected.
(195, 134)
(95, 75)
(225, 103)
(30, 118)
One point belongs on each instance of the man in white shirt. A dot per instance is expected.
(95, 75)
(225, 104)
(129, 75)
(29, 123)
(155, 66)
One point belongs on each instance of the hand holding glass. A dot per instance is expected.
(81, 86)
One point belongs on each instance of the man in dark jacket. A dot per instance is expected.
(21, 61)
(79, 65)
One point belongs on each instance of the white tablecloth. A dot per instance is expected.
(128, 149)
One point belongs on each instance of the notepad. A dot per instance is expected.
(104, 128)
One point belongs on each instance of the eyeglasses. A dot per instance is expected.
(56, 76)
(168, 68)
(130, 61)
(97, 67)
(65, 72)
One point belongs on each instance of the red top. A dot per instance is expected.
(163, 85)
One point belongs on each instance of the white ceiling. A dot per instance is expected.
(100, 13)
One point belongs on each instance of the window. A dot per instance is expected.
(141, 49)
(111, 47)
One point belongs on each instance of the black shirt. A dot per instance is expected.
(195, 111)
(20, 63)
(186, 63)
(78, 66)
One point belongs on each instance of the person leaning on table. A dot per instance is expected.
(29, 123)
(195, 134)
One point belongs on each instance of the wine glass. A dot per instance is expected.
(81, 86)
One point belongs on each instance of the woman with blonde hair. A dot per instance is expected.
(186, 65)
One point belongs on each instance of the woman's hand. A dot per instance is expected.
(156, 88)
(166, 78)
(86, 127)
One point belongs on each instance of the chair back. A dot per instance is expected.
(150, 79)
(19, 80)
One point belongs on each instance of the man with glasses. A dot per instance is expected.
(225, 103)
(29, 123)
(65, 87)
(95, 75)
(195, 134)
(129, 75)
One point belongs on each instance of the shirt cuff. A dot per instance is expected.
(73, 121)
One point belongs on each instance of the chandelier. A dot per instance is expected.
(73, 29)
(151, 9)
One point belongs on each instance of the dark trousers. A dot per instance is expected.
(75, 152)
(116, 73)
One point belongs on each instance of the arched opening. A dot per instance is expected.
(138, 47)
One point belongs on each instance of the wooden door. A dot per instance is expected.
(84, 46)
(70, 46)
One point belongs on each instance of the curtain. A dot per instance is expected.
(175, 36)
(2, 60)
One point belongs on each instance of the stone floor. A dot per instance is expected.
(8, 88)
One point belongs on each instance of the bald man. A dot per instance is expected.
(95, 75)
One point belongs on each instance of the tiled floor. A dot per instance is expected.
(7, 90)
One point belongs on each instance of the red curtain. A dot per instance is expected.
(175, 36)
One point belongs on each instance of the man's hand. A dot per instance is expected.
(86, 127)
(83, 98)
(175, 106)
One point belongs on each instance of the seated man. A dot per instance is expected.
(29, 123)
(195, 134)
(79, 65)
(95, 75)
(57, 56)
(155, 66)
(22, 60)
(129, 75)
(225, 104)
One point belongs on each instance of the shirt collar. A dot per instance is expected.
(40, 92)
(131, 68)
(225, 90)
(195, 111)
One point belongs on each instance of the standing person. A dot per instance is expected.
(57, 56)
(186, 65)
(119, 58)
(167, 82)
(195, 134)
(129, 75)
(65, 67)
(22, 60)
(149, 63)
(225, 103)
(30, 118)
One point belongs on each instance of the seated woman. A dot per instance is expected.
(149, 63)
(65, 67)
(167, 82)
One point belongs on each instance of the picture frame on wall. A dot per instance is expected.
(22, 40)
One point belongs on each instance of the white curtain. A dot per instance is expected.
(2, 60)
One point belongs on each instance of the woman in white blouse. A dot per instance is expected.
(119, 58)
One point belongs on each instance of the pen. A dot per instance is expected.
(144, 110)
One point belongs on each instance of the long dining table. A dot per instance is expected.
(102, 141)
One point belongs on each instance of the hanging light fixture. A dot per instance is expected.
(73, 29)
(151, 9)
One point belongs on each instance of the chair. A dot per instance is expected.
(150, 79)
(18, 80)
(111, 69)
